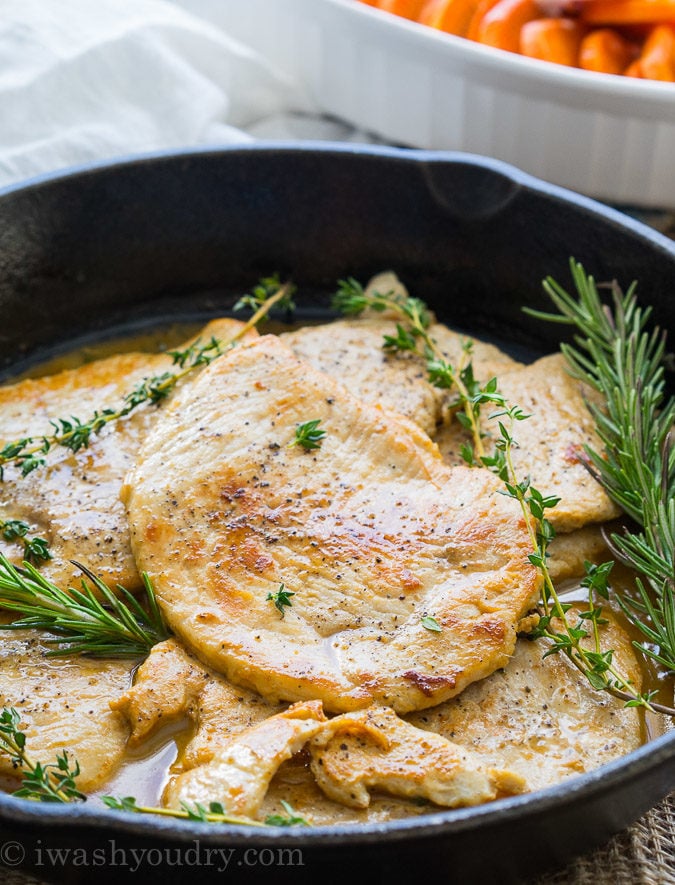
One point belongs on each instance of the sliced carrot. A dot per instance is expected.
(429, 11)
(626, 12)
(606, 51)
(552, 39)
(634, 69)
(452, 16)
(657, 60)
(501, 26)
(482, 8)
(405, 8)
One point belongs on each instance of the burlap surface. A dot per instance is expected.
(644, 854)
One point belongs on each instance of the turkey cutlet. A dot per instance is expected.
(371, 533)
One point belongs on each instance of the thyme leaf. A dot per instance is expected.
(261, 293)
(281, 599)
(291, 819)
(308, 435)
(35, 549)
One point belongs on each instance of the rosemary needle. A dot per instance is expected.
(78, 621)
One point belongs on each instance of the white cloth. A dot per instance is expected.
(84, 80)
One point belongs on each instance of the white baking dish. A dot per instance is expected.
(608, 136)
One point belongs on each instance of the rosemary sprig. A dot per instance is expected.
(412, 335)
(79, 622)
(53, 782)
(30, 452)
(214, 814)
(308, 435)
(35, 549)
(616, 354)
(281, 599)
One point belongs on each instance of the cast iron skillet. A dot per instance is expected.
(177, 236)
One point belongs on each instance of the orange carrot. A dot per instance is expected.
(552, 39)
(429, 11)
(501, 26)
(482, 8)
(634, 69)
(657, 60)
(453, 16)
(405, 8)
(606, 51)
(625, 12)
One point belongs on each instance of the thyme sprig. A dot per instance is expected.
(56, 782)
(555, 625)
(53, 782)
(35, 548)
(214, 814)
(616, 353)
(80, 623)
(261, 293)
(30, 453)
(413, 335)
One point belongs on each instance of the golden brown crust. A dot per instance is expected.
(239, 773)
(375, 750)
(539, 716)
